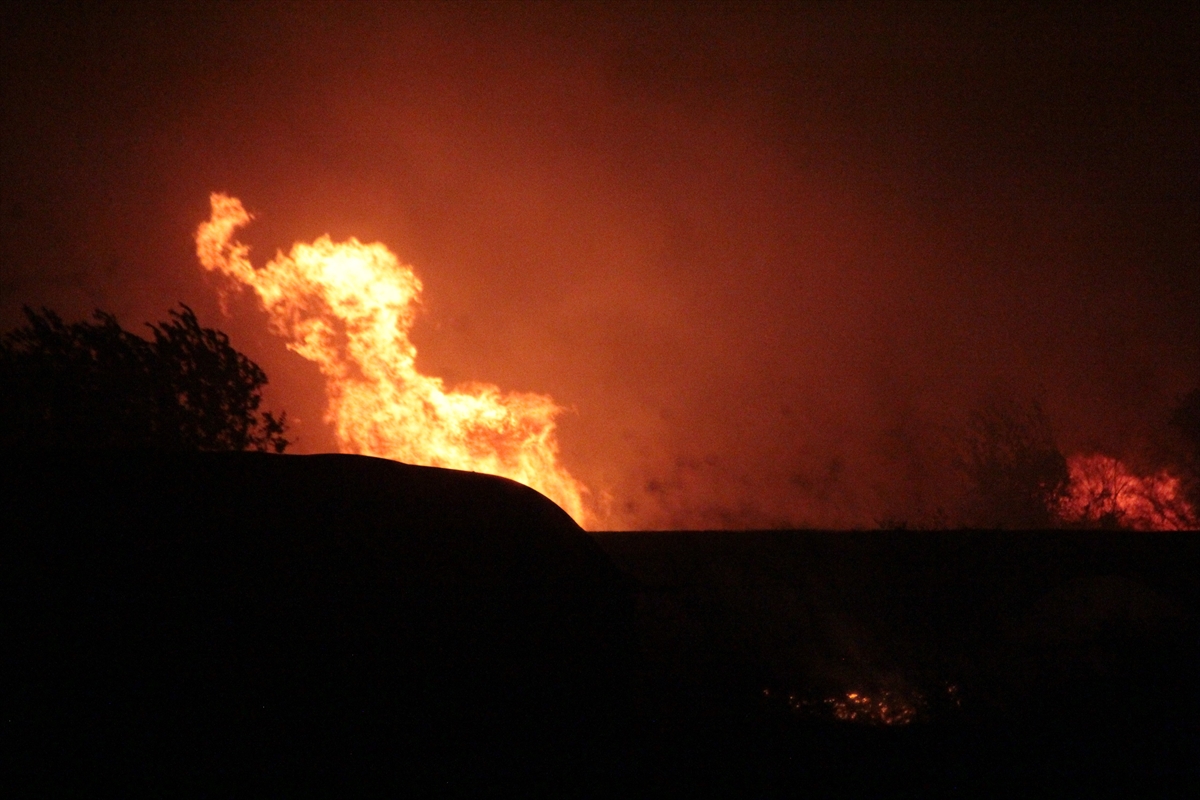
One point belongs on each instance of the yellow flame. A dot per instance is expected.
(349, 306)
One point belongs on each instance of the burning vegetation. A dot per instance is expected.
(876, 708)
(349, 307)
(1104, 493)
(889, 707)
(1019, 478)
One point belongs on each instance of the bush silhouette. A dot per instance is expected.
(89, 385)
(1016, 472)
(1186, 419)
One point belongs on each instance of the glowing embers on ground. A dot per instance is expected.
(348, 307)
(880, 706)
(1104, 493)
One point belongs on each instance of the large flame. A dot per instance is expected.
(349, 306)
(1103, 492)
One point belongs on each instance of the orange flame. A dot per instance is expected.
(885, 708)
(349, 306)
(1104, 493)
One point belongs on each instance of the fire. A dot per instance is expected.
(884, 708)
(1104, 493)
(880, 707)
(349, 306)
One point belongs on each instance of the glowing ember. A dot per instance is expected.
(1104, 493)
(349, 307)
(882, 707)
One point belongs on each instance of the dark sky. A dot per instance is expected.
(768, 257)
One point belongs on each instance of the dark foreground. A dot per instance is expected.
(243, 625)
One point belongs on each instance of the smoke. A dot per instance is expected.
(764, 259)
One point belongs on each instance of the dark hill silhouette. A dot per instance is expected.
(241, 624)
(248, 622)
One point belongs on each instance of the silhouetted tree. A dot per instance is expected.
(1016, 472)
(96, 385)
(1186, 418)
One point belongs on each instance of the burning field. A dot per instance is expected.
(769, 399)
(349, 307)
(677, 267)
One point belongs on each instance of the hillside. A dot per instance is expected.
(247, 624)
(248, 620)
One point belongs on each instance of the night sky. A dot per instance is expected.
(767, 257)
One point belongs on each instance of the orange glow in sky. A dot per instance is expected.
(769, 255)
